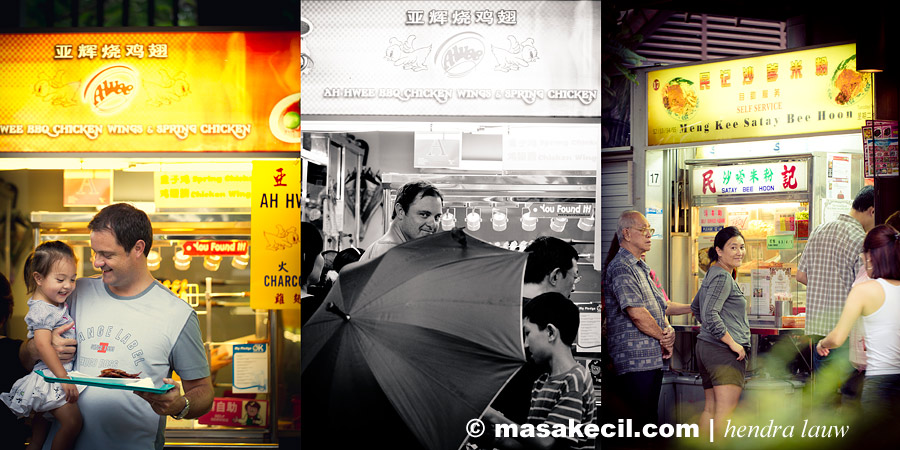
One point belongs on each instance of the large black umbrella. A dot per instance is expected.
(410, 346)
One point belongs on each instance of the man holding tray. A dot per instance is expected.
(127, 320)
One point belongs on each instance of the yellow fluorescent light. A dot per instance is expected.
(62, 163)
(236, 167)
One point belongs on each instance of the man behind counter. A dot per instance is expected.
(417, 211)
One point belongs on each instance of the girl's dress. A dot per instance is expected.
(32, 393)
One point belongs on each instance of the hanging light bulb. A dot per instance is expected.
(528, 223)
(153, 260)
(586, 223)
(212, 262)
(473, 221)
(182, 261)
(448, 221)
(241, 262)
(558, 224)
(499, 220)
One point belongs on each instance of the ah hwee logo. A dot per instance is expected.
(111, 89)
(460, 54)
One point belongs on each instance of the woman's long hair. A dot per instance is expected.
(883, 247)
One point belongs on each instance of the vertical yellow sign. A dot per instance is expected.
(275, 235)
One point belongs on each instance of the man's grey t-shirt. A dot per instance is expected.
(151, 333)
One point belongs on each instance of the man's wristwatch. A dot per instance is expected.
(184, 412)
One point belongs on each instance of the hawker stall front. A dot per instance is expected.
(199, 129)
(496, 103)
(770, 144)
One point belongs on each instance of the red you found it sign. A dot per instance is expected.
(221, 248)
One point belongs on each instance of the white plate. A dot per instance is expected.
(275, 124)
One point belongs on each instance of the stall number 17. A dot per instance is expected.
(652, 178)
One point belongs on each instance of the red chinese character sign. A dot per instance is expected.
(791, 176)
(712, 219)
(236, 412)
(275, 234)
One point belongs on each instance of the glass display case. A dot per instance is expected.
(769, 201)
(776, 202)
(774, 237)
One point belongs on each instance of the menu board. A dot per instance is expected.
(761, 297)
(884, 147)
(868, 151)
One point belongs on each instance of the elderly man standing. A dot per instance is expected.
(638, 334)
(417, 211)
(828, 266)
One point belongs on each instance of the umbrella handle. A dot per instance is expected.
(459, 236)
(332, 308)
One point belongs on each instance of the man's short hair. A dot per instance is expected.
(626, 219)
(545, 254)
(410, 191)
(127, 223)
(555, 308)
(865, 199)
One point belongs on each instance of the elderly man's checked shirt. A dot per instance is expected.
(627, 284)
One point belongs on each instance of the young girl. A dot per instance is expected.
(50, 276)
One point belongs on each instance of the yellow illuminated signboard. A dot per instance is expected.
(150, 92)
(275, 233)
(808, 91)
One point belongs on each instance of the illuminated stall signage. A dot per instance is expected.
(769, 178)
(201, 189)
(150, 92)
(808, 91)
(221, 248)
(550, 210)
(455, 58)
(275, 233)
(537, 149)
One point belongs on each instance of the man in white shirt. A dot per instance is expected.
(416, 214)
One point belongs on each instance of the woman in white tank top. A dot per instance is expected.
(878, 302)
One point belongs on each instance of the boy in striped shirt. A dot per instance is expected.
(562, 398)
